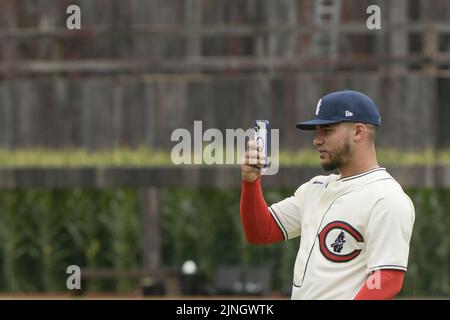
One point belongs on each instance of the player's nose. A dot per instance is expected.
(317, 141)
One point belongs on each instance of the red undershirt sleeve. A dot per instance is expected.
(389, 285)
(257, 221)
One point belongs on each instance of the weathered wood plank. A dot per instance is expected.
(134, 67)
(150, 232)
(130, 111)
(7, 115)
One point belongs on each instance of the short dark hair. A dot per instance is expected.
(372, 131)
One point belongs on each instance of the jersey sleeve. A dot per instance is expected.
(389, 232)
(287, 213)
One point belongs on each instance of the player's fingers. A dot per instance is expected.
(251, 157)
(255, 163)
(252, 145)
(245, 168)
(254, 158)
(255, 154)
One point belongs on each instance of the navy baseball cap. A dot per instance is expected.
(343, 106)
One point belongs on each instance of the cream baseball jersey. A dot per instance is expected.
(348, 228)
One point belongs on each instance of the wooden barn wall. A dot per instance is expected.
(112, 107)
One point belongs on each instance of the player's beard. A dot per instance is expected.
(338, 157)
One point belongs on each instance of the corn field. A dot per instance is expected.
(44, 231)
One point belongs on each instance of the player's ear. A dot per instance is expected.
(359, 132)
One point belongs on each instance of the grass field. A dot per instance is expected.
(114, 296)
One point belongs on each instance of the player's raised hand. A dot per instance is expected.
(250, 169)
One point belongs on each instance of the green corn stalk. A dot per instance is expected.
(42, 232)
(124, 232)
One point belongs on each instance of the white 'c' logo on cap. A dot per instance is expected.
(318, 107)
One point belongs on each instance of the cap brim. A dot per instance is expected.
(311, 124)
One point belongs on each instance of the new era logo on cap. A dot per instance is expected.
(350, 106)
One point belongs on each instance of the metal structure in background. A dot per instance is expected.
(326, 15)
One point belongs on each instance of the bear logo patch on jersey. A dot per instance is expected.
(339, 242)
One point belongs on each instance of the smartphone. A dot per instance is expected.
(262, 138)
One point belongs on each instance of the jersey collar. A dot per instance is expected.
(359, 175)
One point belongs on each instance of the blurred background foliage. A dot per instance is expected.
(44, 231)
(144, 156)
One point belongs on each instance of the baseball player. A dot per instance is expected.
(355, 226)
